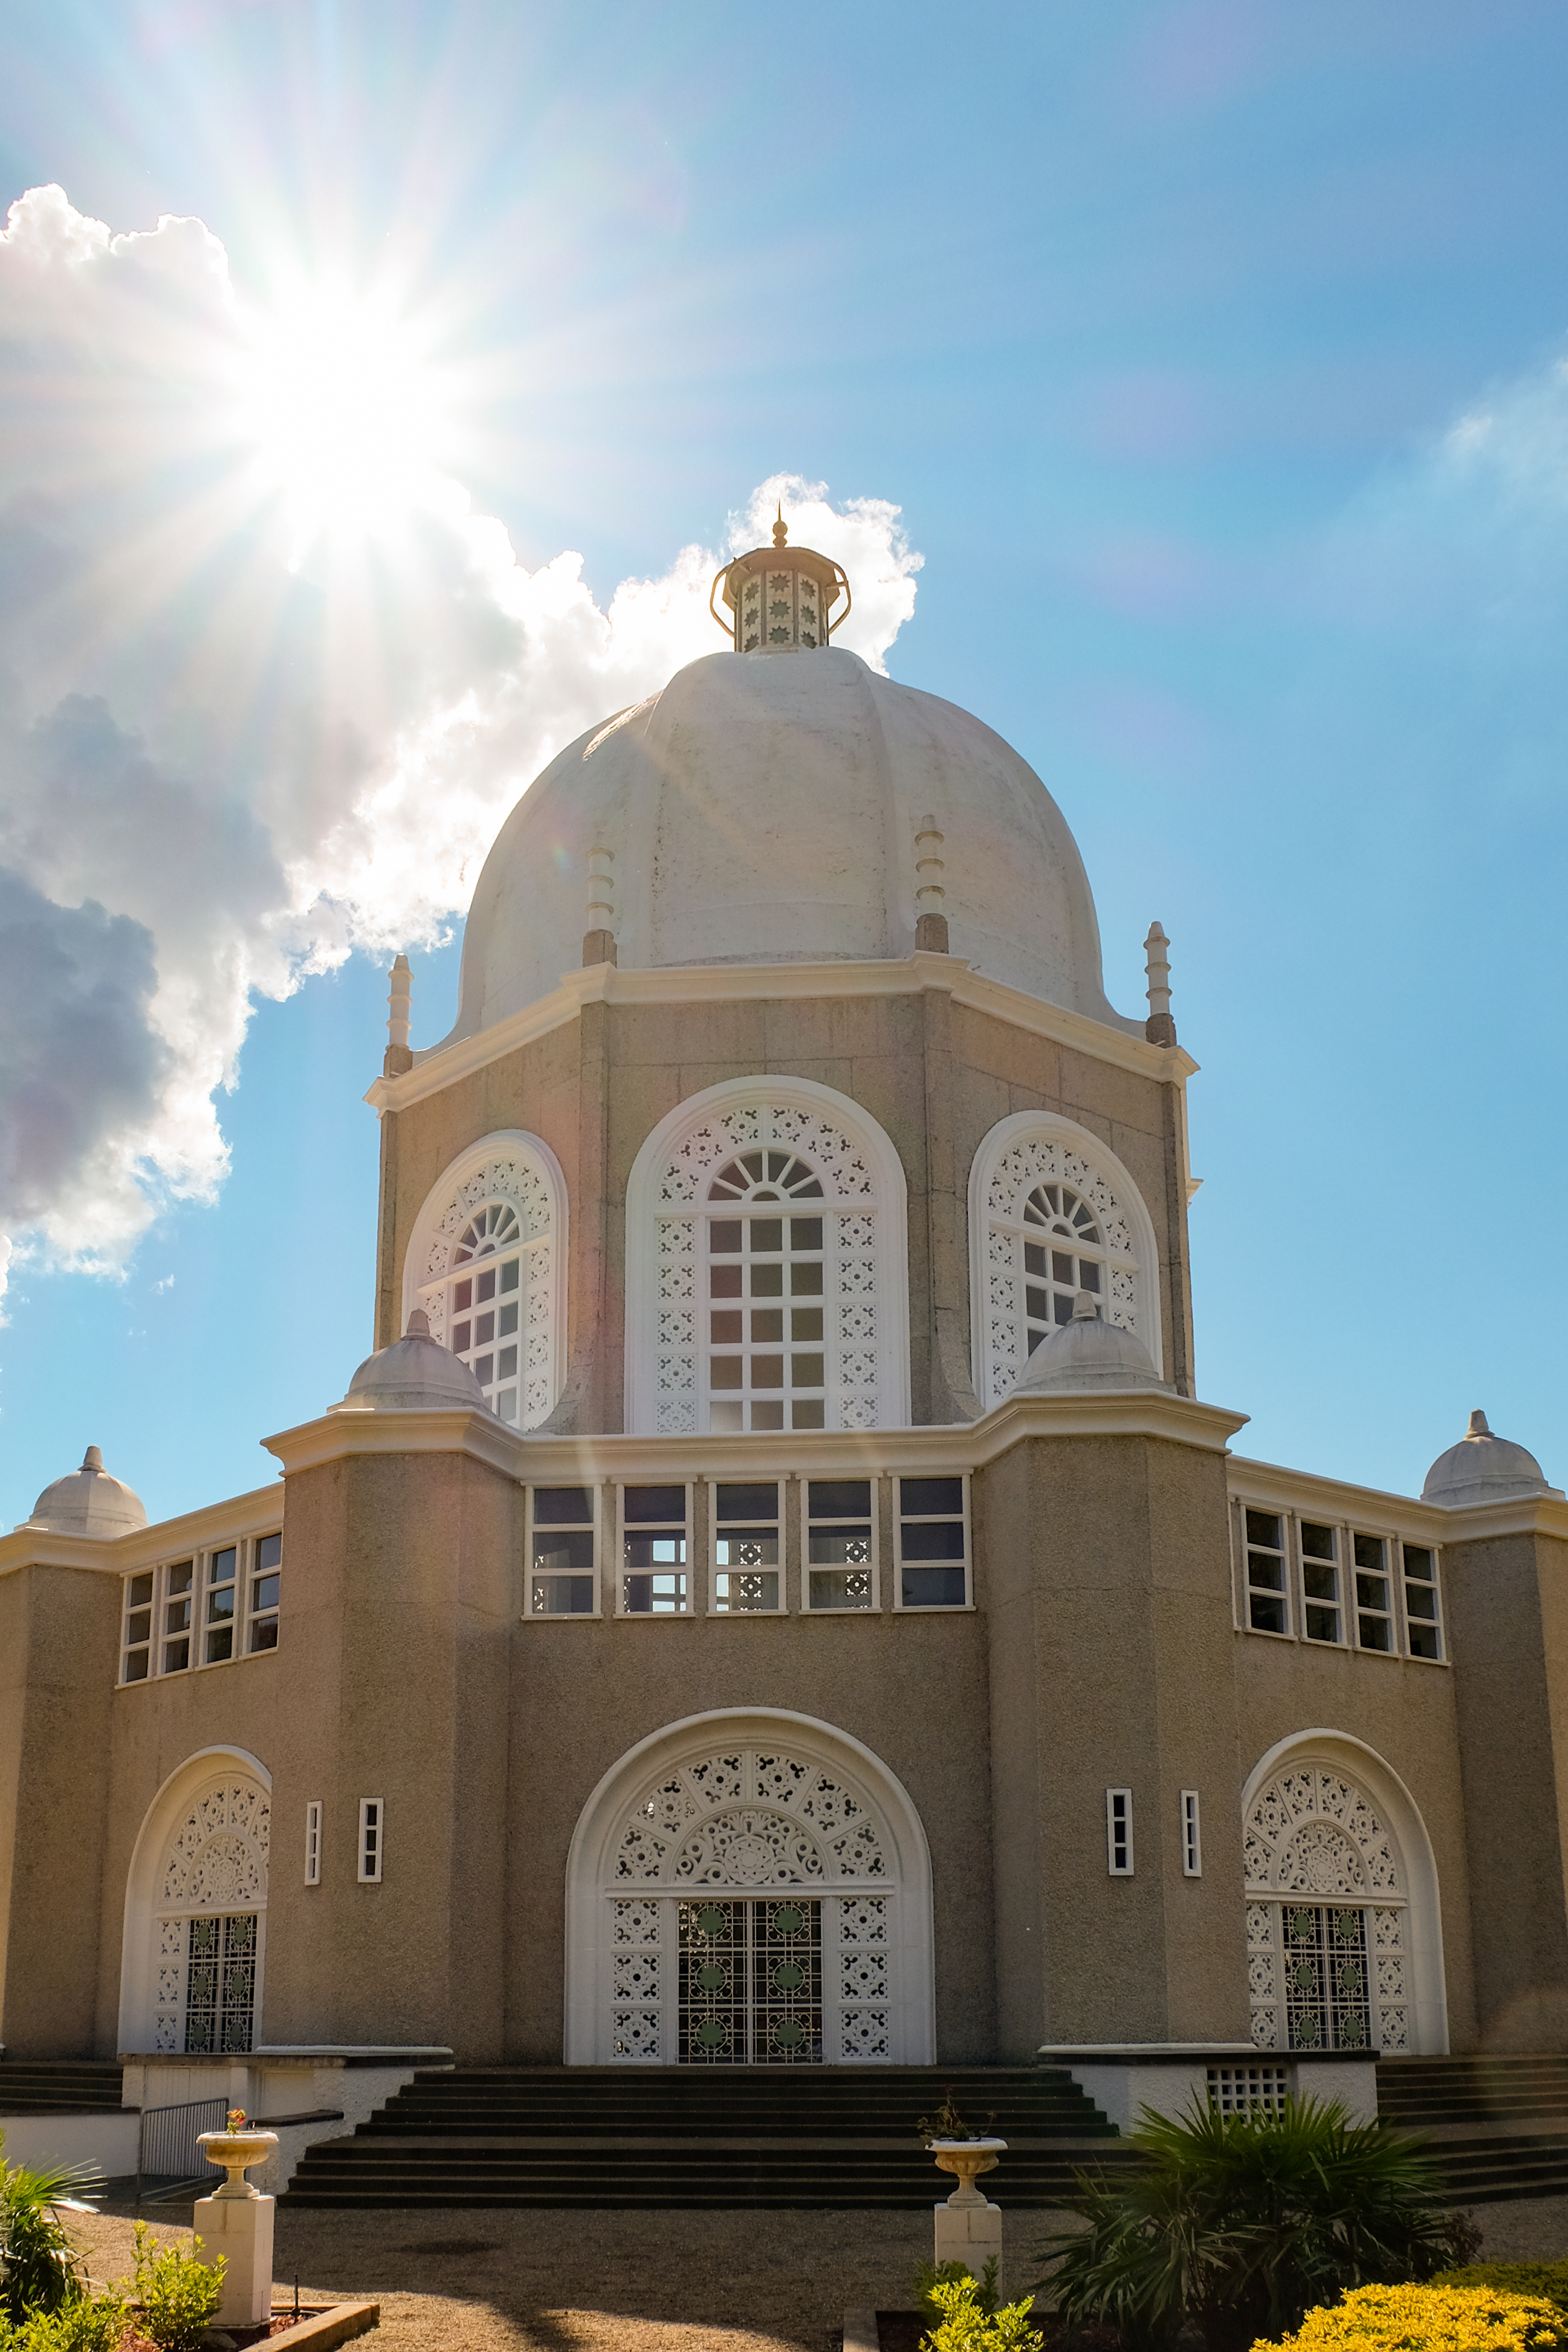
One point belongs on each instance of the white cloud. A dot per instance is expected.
(221, 749)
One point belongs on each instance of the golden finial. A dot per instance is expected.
(781, 528)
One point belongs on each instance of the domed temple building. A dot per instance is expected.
(775, 1595)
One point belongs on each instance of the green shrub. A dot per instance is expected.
(1239, 2224)
(966, 2328)
(929, 2276)
(38, 2269)
(178, 2294)
(1542, 2282)
(92, 2322)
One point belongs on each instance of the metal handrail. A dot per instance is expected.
(166, 2150)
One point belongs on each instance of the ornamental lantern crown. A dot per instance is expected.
(781, 597)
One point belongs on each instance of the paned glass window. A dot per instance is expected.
(220, 1982)
(766, 1364)
(933, 1545)
(1063, 1253)
(563, 1551)
(654, 1551)
(1268, 1610)
(1320, 1613)
(264, 1583)
(221, 1594)
(1118, 1832)
(1374, 1593)
(1192, 1836)
(313, 1843)
(138, 1633)
(179, 1600)
(747, 1567)
(486, 1304)
(1423, 1620)
(840, 1544)
(371, 1840)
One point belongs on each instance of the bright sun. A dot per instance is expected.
(344, 407)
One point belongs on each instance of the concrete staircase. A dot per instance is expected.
(57, 2086)
(603, 2136)
(1478, 2114)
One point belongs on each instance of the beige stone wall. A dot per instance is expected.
(1106, 1584)
(59, 1628)
(936, 1077)
(1506, 1602)
(1407, 1712)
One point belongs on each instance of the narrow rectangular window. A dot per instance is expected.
(933, 1543)
(1374, 1593)
(264, 1583)
(1423, 1615)
(1192, 1836)
(371, 1840)
(1268, 1609)
(313, 1843)
(655, 1531)
(562, 1553)
(1320, 1612)
(178, 1597)
(218, 1615)
(748, 1576)
(1118, 1831)
(840, 1544)
(137, 1642)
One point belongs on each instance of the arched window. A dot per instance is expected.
(487, 1263)
(1341, 1930)
(749, 1889)
(196, 1911)
(765, 1266)
(1052, 1212)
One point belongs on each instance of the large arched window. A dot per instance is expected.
(195, 1910)
(487, 1263)
(1052, 1212)
(748, 1888)
(766, 1282)
(1343, 1944)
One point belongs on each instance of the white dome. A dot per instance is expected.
(1483, 1469)
(763, 809)
(414, 1374)
(1087, 1354)
(88, 1503)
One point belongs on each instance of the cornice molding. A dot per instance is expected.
(1529, 1515)
(604, 984)
(1372, 1507)
(349, 1430)
(239, 1515)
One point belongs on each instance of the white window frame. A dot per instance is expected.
(834, 1478)
(1192, 1835)
(371, 1852)
(1437, 1622)
(1391, 1576)
(717, 1569)
(313, 1842)
(257, 1617)
(593, 1487)
(1028, 1149)
(199, 1561)
(866, 1293)
(930, 1518)
(1297, 1523)
(1118, 1855)
(669, 1528)
(1286, 1594)
(519, 1168)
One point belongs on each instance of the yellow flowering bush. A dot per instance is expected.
(1427, 2319)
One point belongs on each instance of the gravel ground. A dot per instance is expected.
(617, 2282)
(595, 2281)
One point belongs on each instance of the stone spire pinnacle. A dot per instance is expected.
(931, 913)
(1159, 1028)
(599, 938)
(398, 1057)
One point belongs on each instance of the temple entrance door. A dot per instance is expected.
(751, 1983)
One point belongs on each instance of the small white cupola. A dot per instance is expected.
(780, 597)
(88, 1503)
(1483, 1468)
(416, 1374)
(1086, 1353)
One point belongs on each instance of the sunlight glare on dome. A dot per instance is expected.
(344, 408)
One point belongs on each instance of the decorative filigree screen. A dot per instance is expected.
(1326, 1914)
(1053, 1227)
(214, 1871)
(487, 1285)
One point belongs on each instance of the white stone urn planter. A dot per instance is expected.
(967, 2157)
(235, 2150)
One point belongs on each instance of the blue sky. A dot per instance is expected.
(1212, 355)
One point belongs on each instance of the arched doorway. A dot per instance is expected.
(748, 1888)
(1343, 1933)
(195, 1910)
